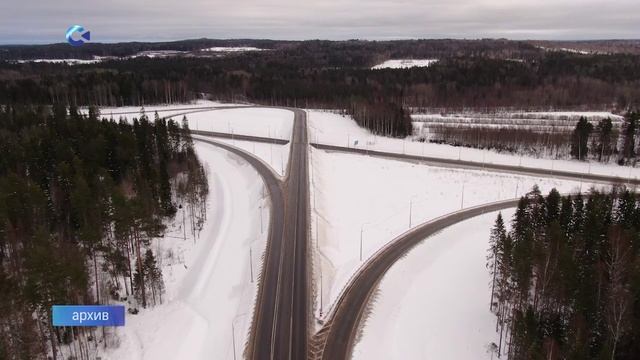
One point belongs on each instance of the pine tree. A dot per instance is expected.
(604, 129)
(580, 139)
(496, 241)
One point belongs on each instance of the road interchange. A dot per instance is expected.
(281, 320)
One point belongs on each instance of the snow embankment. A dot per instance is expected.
(405, 63)
(334, 129)
(360, 203)
(212, 284)
(434, 303)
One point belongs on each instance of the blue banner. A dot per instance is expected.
(88, 315)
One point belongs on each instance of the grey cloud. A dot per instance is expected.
(38, 21)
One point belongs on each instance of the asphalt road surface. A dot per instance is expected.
(281, 321)
(281, 317)
(260, 139)
(463, 164)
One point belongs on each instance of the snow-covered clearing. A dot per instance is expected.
(157, 54)
(365, 200)
(265, 122)
(232, 49)
(209, 287)
(164, 110)
(434, 303)
(405, 63)
(96, 59)
(334, 129)
(548, 120)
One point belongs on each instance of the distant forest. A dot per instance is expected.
(566, 277)
(470, 74)
(80, 200)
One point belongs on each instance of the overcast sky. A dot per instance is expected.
(45, 21)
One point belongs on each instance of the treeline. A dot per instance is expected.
(566, 277)
(502, 139)
(601, 142)
(337, 75)
(80, 201)
(382, 118)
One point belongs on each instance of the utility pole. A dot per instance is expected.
(321, 307)
(251, 263)
(184, 228)
(233, 333)
(233, 339)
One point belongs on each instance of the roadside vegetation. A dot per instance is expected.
(566, 277)
(80, 200)
(588, 140)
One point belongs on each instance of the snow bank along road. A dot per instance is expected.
(465, 164)
(280, 325)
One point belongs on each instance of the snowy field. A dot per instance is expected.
(539, 121)
(130, 112)
(232, 49)
(434, 303)
(405, 63)
(266, 122)
(209, 284)
(96, 59)
(334, 129)
(365, 200)
(159, 54)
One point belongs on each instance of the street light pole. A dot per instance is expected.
(251, 263)
(233, 333)
(261, 222)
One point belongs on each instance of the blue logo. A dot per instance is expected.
(84, 35)
(88, 315)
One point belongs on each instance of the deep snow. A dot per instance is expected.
(434, 303)
(209, 288)
(335, 129)
(405, 63)
(265, 122)
(356, 197)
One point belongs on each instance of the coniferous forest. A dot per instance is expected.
(80, 200)
(566, 277)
